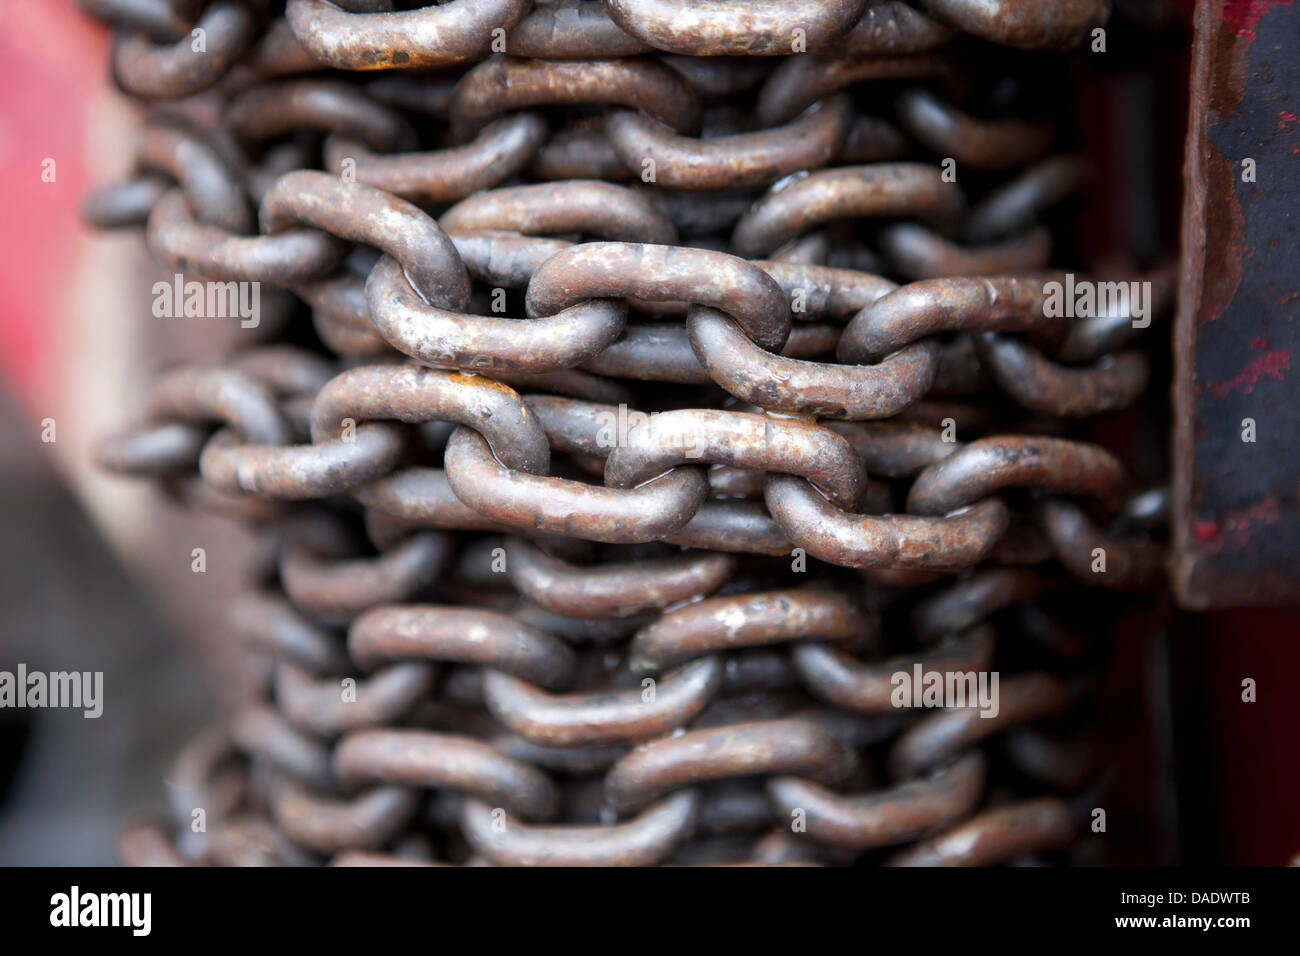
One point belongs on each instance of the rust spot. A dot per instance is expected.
(1225, 241)
(478, 381)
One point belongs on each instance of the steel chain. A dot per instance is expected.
(620, 475)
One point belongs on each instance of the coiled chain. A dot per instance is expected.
(604, 407)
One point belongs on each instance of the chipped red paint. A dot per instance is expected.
(1242, 16)
(1235, 528)
(1274, 365)
(1207, 531)
(1240, 524)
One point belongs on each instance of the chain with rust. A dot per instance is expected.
(604, 427)
(155, 57)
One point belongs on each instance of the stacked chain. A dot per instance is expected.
(604, 409)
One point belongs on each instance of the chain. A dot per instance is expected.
(603, 411)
